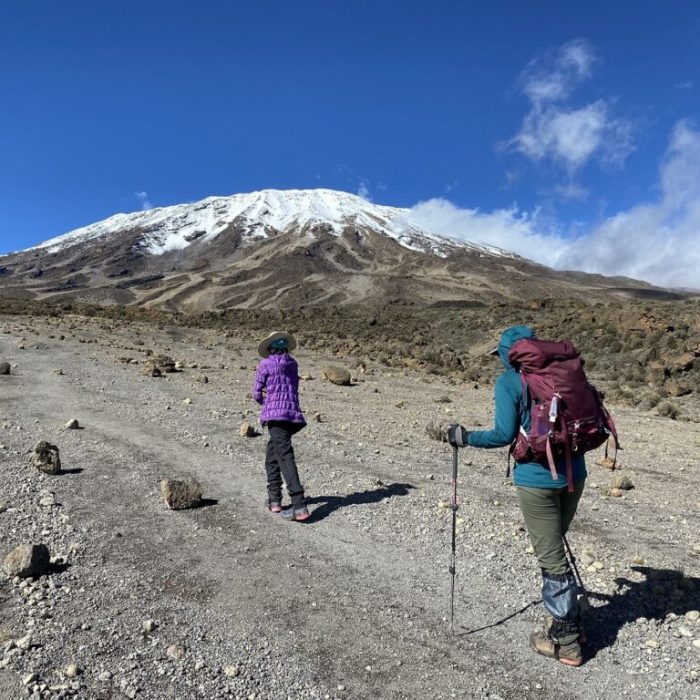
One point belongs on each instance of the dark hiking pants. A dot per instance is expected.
(279, 462)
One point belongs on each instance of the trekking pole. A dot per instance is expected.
(584, 603)
(453, 558)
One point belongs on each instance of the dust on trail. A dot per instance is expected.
(355, 599)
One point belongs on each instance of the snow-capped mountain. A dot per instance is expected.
(276, 249)
(263, 214)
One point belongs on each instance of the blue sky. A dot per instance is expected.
(559, 117)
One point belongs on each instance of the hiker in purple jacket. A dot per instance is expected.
(276, 389)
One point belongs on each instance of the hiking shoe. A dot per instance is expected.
(549, 622)
(297, 513)
(568, 654)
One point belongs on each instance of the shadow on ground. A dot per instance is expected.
(330, 504)
(663, 591)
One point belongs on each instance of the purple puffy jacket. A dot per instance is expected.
(279, 376)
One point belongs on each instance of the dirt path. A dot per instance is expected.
(350, 605)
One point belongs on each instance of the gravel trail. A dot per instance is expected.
(227, 600)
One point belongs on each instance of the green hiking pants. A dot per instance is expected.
(548, 514)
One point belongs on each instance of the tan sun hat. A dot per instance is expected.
(264, 347)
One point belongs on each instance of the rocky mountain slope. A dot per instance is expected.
(273, 249)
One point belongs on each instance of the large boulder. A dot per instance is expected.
(27, 560)
(5, 368)
(181, 494)
(46, 458)
(337, 375)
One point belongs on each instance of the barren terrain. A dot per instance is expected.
(229, 601)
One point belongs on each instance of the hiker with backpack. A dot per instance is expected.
(276, 389)
(550, 415)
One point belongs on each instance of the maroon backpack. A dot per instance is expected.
(567, 416)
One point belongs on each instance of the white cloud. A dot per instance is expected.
(509, 229)
(657, 241)
(571, 190)
(570, 136)
(144, 200)
(556, 74)
(363, 191)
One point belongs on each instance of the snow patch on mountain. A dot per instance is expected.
(261, 215)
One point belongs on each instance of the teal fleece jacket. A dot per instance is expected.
(510, 414)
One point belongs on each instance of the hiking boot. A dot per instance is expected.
(569, 654)
(274, 507)
(297, 513)
(549, 622)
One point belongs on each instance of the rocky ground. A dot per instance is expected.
(227, 600)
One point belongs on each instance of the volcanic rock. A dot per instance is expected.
(46, 458)
(337, 375)
(181, 494)
(27, 560)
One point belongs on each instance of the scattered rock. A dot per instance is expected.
(692, 615)
(164, 363)
(149, 626)
(27, 561)
(176, 652)
(615, 493)
(587, 558)
(318, 417)
(337, 375)
(247, 430)
(231, 671)
(71, 671)
(150, 370)
(621, 482)
(24, 643)
(46, 458)
(181, 494)
(608, 463)
(5, 368)
(437, 430)
(47, 500)
(72, 424)
(307, 377)
(187, 401)
(104, 676)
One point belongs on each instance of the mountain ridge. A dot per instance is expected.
(283, 248)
